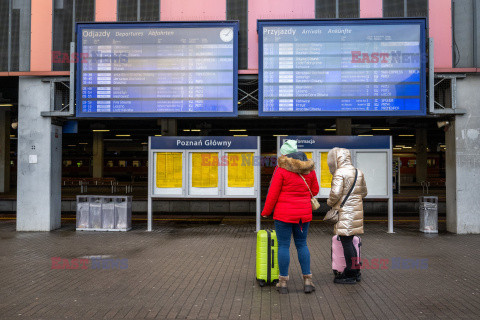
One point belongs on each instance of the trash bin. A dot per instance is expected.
(83, 212)
(429, 214)
(104, 213)
(123, 213)
(95, 212)
(108, 213)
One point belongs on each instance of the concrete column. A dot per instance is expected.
(421, 163)
(4, 150)
(344, 126)
(39, 159)
(98, 152)
(462, 160)
(169, 127)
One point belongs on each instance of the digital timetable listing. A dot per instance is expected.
(333, 68)
(163, 69)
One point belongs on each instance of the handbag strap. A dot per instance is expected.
(306, 184)
(351, 189)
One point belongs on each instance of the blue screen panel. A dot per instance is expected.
(342, 68)
(157, 69)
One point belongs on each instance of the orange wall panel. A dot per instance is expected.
(188, 10)
(41, 36)
(273, 9)
(106, 10)
(371, 8)
(440, 24)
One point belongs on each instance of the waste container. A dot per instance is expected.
(108, 213)
(104, 213)
(123, 213)
(95, 212)
(429, 214)
(83, 212)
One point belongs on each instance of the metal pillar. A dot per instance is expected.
(169, 127)
(39, 159)
(4, 150)
(344, 126)
(98, 152)
(421, 161)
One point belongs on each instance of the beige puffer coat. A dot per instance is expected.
(350, 217)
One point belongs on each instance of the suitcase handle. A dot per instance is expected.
(273, 258)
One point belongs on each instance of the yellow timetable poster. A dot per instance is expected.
(205, 170)
(309, 155)
(240, 170)
(325, 175)
(169, 170)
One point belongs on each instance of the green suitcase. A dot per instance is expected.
(267, 258)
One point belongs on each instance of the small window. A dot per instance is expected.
(325, 9)
(348, 9)
(405, 8)
(63, 25)
(128, 10)
(149, 10)
(393, 8)
(331, 9)
(417, 8)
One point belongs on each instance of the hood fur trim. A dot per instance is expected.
(338, 158)
(296, 166)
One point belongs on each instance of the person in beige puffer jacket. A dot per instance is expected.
(350, 216)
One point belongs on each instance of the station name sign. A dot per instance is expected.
(221, 142)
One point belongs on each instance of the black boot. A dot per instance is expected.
(359, 276)
(344, 278)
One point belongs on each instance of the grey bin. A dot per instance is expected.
(108, 213)
(123, 212)
(83, 212)
(95, 213)
(104, 213)
(429, 214)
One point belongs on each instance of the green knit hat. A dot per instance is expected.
(288, 147)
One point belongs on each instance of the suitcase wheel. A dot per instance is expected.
(261, 283)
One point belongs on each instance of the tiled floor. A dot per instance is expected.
(207, 271)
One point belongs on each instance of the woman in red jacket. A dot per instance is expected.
(293, 184)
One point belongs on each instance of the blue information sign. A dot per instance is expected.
(342, 68)
(349, 142)
(157, 69)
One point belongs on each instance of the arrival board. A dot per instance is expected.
(349, 68)
(157, 70)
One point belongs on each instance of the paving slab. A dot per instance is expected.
(206, 270)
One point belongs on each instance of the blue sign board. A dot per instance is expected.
(213, 142)
(342, 67)
(157, 69)
(348, 142)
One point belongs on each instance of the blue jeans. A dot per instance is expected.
(284, 234)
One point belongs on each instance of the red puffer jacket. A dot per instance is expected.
(289, 194)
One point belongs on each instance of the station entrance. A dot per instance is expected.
(111, 157)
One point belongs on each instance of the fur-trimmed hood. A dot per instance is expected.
(296, 166)
(338, 158)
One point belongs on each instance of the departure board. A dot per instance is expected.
(342, 68)
(157, 69)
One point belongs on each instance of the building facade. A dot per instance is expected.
(35, 38)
